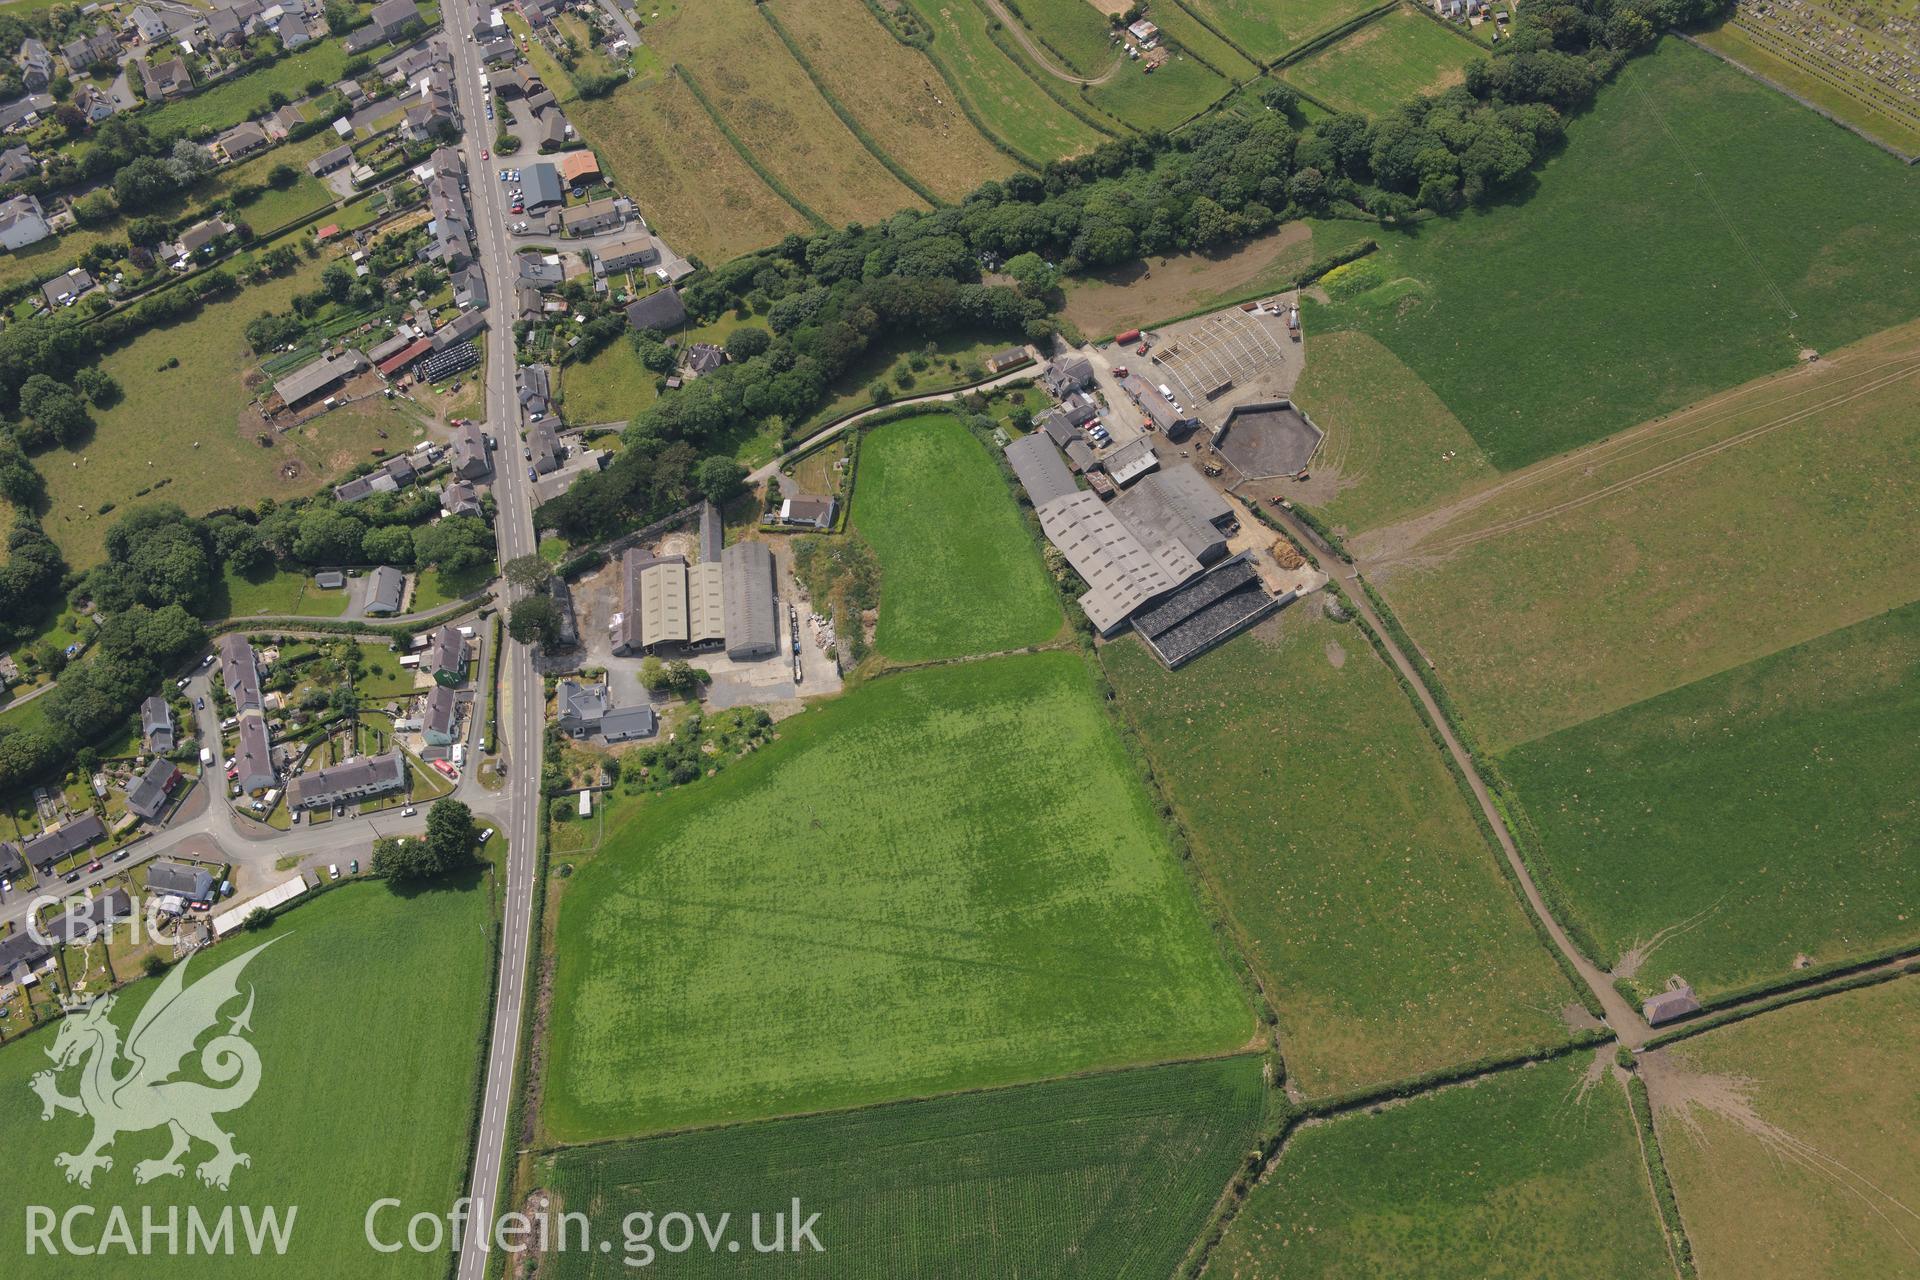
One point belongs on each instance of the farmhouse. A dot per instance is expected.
(147, 794)
(585, 710)
(349, 782)
(156, 724)
(177, 879)
(1067, 375)
(384, 591)
(48, 848)
(752, 619)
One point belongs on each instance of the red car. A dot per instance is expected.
(483, 153)
(446, 768)
(519, 209)
(94, 865)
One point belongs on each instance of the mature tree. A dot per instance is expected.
(97, 386)
(745, 343)
(529, 571)
(1031, 272)
(451, 834)
(457, 544)
(393, 544)
(328, 535)
(720, 479)
(534, 620)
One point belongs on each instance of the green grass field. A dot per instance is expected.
(1533, 1172)
(1763, 814)
(1781, 57)
(611, 387)
(1669, 553)
(1105, 1177)
(275, 593)
(367, 1016)
(1002, 94)
(959, 572)
(230, 102)
(1388, 436)
(1550, 321)
(1073, 31)
(188, 434)
(1793, 1139)
(1180, 89)
(1384, 64)
(1358, 884)
(834, 943)
(1266, 29)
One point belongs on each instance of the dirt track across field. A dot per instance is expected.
(1039, 54)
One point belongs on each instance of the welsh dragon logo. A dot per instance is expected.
(133, 1087)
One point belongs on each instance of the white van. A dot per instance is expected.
(459, 755)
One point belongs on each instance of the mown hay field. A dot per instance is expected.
(1266, 29)
(1001, 92)
(368, 1012)
(693, 187)
(898, 898)
(1531, 1172)
(896, 95)
(1392, 447)
(187, 434)
(1358, 884)
(1671, 552)
(959, 572)
(1697, 230)
(768, 102)
(1793, 1138)
(1388, 62)
(1103, 1177)
(1766, 816)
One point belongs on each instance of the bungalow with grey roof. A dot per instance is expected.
(659, 310)
(294, 31)
(384, 591)
(66, 289)
(49, 847)
(180, 880)
(327, 161)
(243, 139)
(83, 921)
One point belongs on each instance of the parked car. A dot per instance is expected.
(199, 704)
(532, 474)
(486, 834)
(120, 856)
(333, 869)
(73, 877)
(408, 812)
(94, 865)
(353, 868)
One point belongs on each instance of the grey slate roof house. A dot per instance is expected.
(20, 955)
(16, 113)
(147, 794)
(349, 782)
(90, 51)
(808, 512)
(36, 64)
(458, 498)
(469, 288)
(17, 163)
(443, 712)
(240, 671)
(47, 848)
(1067, 375)
(661, 309)
(65, 290)
(83, 921)
(327, 161)
(586, 710)
(384, 590)
(470, 452)
(253, 757)
(156, 724)
(446, 656)
(195, 884)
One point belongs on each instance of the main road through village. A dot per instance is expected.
(522, 701)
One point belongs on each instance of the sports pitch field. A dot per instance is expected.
(959, 572)
(1361, 890)
(1698, 230)
(1386, 63)
(1102, 1177)
(1793, 1139)
(367, 1016)
(1532, 1172)
(1670, 552)
(898, 898)
(1757, 819)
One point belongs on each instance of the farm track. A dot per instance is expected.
(1423, 535)
(1039, 54)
